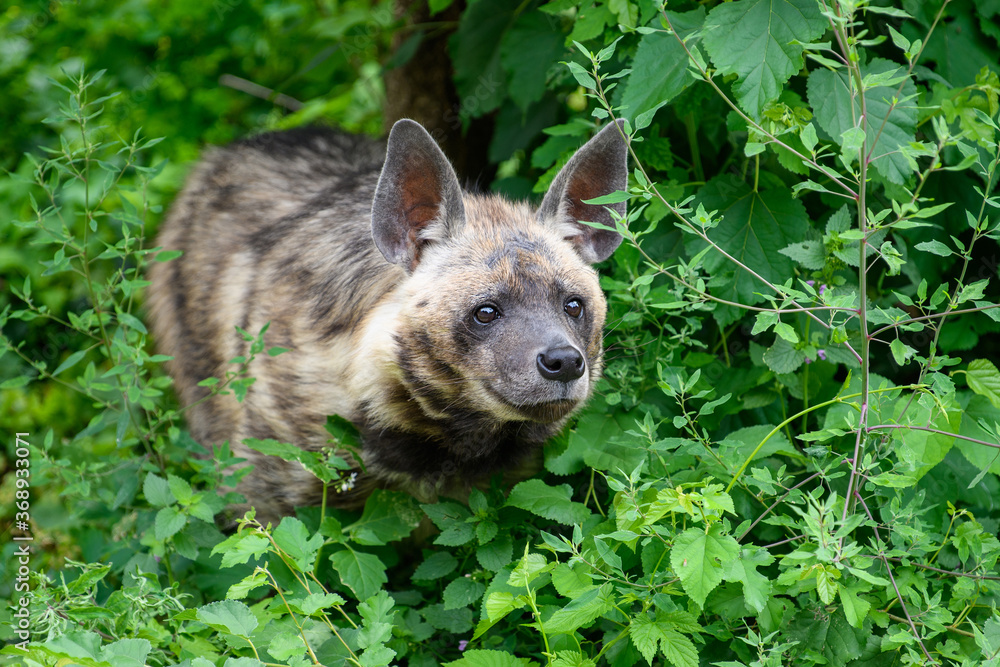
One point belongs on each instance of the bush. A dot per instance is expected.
(792, 458)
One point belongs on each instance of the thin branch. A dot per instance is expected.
(257, 90)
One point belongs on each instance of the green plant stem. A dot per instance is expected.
(954, 573)
(699, 232)
(775, 504)
(931, 317)
(855, 465)
(692, 135)
(839, 399)
(934, 430)
(749, 121)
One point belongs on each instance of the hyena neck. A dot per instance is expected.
(463, 448)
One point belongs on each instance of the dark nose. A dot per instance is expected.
(561, 363)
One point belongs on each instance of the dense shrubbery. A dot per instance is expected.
(775, 469)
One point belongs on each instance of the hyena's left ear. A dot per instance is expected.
(418, 198)
(600, 167)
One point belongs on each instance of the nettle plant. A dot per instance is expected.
(792, 459)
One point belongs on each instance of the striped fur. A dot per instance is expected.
(377, 304)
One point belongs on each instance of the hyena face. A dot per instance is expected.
(457, 331)
(522, 331)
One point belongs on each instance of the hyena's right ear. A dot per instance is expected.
(599, 168)
(418, 199)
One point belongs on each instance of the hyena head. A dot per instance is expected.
(500, 320)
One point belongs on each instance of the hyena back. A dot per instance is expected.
(458, 331)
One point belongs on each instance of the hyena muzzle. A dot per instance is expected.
(457, 331)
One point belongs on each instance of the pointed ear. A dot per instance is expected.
(418, 199)
(600, 167)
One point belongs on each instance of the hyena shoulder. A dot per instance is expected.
(457, 331)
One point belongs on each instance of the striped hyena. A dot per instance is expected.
(457, 331)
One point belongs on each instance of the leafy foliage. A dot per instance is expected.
(792, 459)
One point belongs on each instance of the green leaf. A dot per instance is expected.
(127, 652)
(935, 247)
(229, 616)
(435, 566)
(787, 332)
(485, 658)
(292, 537)
(377, 614)
(697, 557)
(388, 516)
(783, 357)
(241, 547)
(131, 321)
(169, 521)
(157, 491)
(753, 39)
(362, 573)
(810, 254)
(660, 67)
(756, 587)
(571, 582)
(462, 592)
(475, 53)
(242, 588)
(550, 502)
(755, 227)
(581, 612)
(527, 50)
(831, 99)
(646, 635)
(855, 608)
(679, 649)
(70, 361)
(180, 489)
(497, 554)
(984, 379)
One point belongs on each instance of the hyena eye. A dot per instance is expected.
(486, 313)
(573, 308)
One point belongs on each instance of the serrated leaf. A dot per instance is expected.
(230, 616)
(127, 652)
(377, 614)
(580, 612)
(488, 658)
(855, 608)
(363, 573)
(497, 554)
(755, 227)
(660, 67)
(527, 50)
(783, 357)
(754, 40)
(756, 587)
(241, 547)
(787, 332)
(292, 537)
(679, 649)
(388, 516)
(475, 52)
(169, 521)
(435, 566)
(697, 558)
(831, 99)
(809, 254)
(550, 502)
(157, 491)
(646, 635)
(984, 379)
(462, 592)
